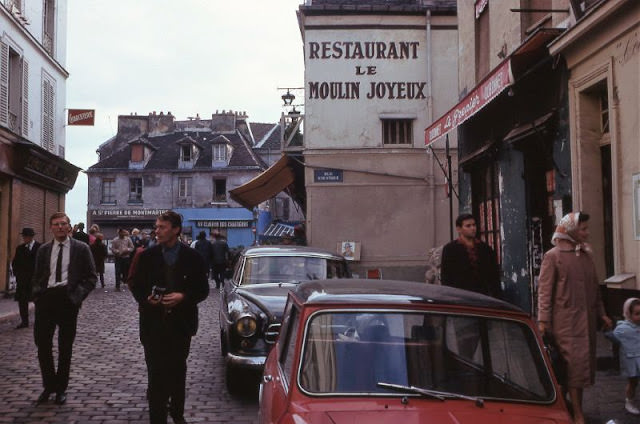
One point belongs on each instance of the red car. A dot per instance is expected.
(375, 351)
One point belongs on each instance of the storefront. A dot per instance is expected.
(236, 224)
(33, 184)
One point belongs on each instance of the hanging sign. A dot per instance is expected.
(81, 117)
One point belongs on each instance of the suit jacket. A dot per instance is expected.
(191, 280)
(23, 265)
(456, 269)
(82, 271)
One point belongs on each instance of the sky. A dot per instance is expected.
(184, 56)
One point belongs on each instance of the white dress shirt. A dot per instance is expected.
(66, 252)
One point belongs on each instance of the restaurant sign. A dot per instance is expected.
(222, 224)
(126, 213)
(478, 98)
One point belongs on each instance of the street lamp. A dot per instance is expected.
(288, 98)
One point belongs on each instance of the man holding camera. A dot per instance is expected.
(168, 282)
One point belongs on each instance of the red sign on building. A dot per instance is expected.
(478, 98)
(81, 117)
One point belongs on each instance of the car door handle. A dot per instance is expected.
(267, 378)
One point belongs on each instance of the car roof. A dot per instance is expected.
(290, 250)
(390, 292)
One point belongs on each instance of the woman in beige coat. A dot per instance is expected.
(569, 304)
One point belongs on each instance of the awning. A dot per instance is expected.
(503, 76)
(525, 130)
(281, 176)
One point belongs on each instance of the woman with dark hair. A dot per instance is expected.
(99, 252)
(569, 304)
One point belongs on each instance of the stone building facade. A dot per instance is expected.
(155, 163)
(376, 74)
(34, 176)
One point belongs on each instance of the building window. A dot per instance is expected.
(135, 190)
(397, 131)
(48, 113)
(486, 205)
(282, 208)
(604, 110)
(184, 187)
(14, 90)
(220, 155)
(219, 190)
(137, 153)
(482, 39)
(49, 20)
(185, 152)
(108, 191)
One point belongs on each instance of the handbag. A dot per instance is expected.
(558, 363)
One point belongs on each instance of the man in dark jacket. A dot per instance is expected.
(64, 276)
(168, 282)
(220, 258)
(23, 265)
(79, 234)
(469, 263)
(203, 247)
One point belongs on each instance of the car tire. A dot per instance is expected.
(233, 379)
(223, 344)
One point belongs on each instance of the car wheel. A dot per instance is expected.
(233, 379)
(223, 344)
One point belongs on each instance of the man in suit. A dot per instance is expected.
(63, 277)
(168, 282)
(23, 264)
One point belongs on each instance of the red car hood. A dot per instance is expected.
(504, 414)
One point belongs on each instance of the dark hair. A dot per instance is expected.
(201, 235)
(583, 217)
(463, 217)
(174, 218)
(59, 215)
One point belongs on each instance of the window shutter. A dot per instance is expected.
(4, 84)
(25, 98)
(48, 95)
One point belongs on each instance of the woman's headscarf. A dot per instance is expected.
(565, 230)
(626, 308)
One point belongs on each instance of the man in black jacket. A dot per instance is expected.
(469, 263)
(23, 265)
(168, 282)
(64, 276)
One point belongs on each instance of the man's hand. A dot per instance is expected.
(172, 299)
(608, 324)
(153, 300)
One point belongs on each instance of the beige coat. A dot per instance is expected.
(569, 299)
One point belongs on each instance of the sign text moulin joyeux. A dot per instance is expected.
(359, 51)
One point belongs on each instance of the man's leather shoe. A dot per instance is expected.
(44, 397)
(178, 419)
(61, 398)
(22, 325)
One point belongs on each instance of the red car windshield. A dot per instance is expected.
(350, 353)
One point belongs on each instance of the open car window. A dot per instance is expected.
(290, 269)
(349, 353)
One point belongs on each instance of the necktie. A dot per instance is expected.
(59, 264)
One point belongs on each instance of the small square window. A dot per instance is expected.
(219, 190)
(185, 153)
(397, 131)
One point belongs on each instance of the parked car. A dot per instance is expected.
(376, 351)
(252, 303)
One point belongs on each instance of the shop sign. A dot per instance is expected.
(478, 98)
(223, 224)
(126, 213)
(327, 175)
(81, 116)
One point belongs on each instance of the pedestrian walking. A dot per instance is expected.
(79, 234)
(204, 248)
(569, 304)
(220, 258)
(99, 252)
(122, 248)
(23, 265)
(63, 277)
(93, 230)
(469, 263)
(627, 332)
(168, 282)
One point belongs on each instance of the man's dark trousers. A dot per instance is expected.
(122, 269)
(53, 308)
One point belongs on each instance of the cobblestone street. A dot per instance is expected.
(108, 374)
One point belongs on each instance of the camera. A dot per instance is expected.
(157, 292)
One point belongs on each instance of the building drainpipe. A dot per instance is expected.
(430, 116)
